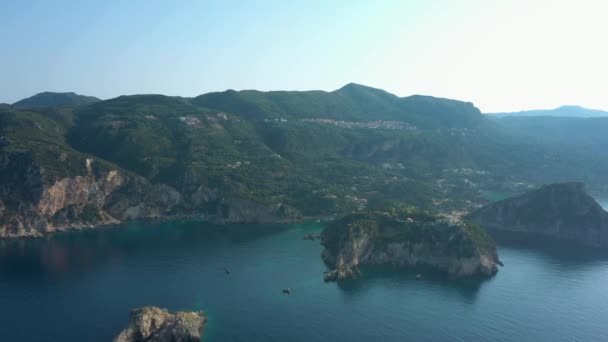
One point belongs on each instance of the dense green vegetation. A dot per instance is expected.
(480, 237)
(577, 145)
(323, 153)
(409, 225)
(49, 99)
(40, 136)
(352, 102)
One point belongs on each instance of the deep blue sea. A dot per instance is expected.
(80, 286)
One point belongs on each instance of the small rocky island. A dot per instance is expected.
(459, 249)
(561, 211)
(152, 324)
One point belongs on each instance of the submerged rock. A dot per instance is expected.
(152, 324)
(310, 237)
(562, 211)
(459, 249)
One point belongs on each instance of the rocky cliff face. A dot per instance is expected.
(152, 324)
(33, 201)
(562, 211)
(459, 249)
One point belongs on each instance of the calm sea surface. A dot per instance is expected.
(81, 286)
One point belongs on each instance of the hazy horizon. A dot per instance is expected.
(496, 55)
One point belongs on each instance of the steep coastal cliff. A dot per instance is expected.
(36, 201)
(561, 211)
(159, 325)
(459, 249)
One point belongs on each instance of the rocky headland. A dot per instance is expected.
(457, 248)
(561, 211)
(35, 201)
(152, 324)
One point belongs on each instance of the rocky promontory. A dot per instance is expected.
(35, 201)
(457, 248)
(152, 324)
(561, 211)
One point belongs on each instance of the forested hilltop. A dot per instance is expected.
(251, 156)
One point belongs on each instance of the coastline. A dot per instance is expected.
(186, 217)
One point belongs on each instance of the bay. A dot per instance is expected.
(80, 286)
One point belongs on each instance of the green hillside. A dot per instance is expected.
(309, 153)
(50, 99)
(352, 102)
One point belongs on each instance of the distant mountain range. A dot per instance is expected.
(563, 111)
(377, 99)
(51, 99)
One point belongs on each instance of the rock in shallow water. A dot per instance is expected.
(152, 324)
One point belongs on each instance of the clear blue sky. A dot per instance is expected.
(501, 55)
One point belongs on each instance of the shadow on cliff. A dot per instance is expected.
(467, 288)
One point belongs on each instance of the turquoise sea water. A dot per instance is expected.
(81, 286)
(495, 196)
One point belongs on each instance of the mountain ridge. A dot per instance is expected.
(54, 99)
(562, 111)
(352, 102)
